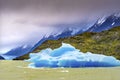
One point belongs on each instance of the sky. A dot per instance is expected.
(25, 22)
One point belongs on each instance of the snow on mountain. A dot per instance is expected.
(106, 23)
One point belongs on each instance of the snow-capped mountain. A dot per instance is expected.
(101, 24)
(105, 23)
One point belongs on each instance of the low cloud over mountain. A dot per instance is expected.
(25, 22)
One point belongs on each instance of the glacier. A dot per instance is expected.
(69, 57)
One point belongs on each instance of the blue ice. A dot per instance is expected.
(68, 56)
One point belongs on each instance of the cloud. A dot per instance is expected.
(27, 21)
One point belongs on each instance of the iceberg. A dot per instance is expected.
(70, 57)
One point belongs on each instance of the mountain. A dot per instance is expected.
(105, 23)
(15, 53)
(105, 42)
(101, 25)
(64, 31)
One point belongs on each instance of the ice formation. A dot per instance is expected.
(68, 56)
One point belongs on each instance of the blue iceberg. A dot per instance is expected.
(68, 56)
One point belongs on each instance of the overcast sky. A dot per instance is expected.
(26, 21)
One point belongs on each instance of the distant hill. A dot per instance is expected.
(105, 42)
